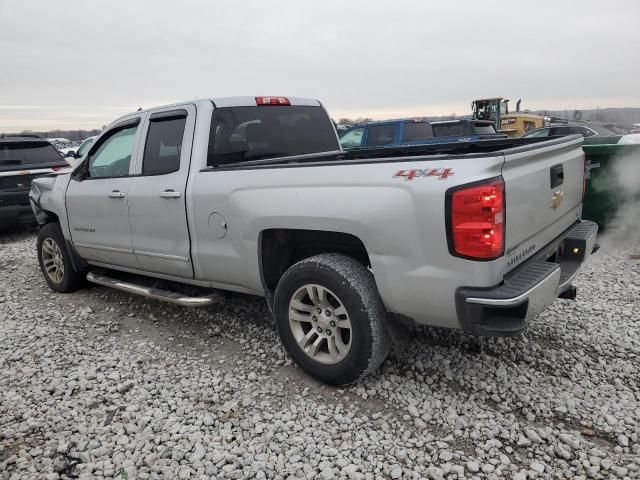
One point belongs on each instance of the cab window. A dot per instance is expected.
(239, 134)
(164, 144)
(543, 132)
(112, 156)
(381, 134)
(414, 131)
(352, 138)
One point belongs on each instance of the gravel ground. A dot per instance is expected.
(101, 384)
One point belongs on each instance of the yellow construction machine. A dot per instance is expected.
(497, 110)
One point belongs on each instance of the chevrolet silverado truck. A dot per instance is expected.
(254, 195)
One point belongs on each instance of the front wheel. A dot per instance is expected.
(331, 319)
(55, 262)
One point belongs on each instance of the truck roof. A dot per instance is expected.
(240, 101)
(418, 119)
(223, 102)
(13, 138)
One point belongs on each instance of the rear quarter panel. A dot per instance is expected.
(400, 221)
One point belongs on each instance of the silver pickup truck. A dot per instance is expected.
(254, 195)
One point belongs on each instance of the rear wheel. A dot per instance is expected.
(331, 319)
(55, 261)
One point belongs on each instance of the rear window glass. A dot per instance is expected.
(543, 132)
(483, 128)
(381, 134)
(251, 133)
(413, 131)
(566, 131)
(451, 129)
(27, 153)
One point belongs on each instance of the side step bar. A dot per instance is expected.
(155, 293)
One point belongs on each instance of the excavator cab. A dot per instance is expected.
(512, 124)
(490, 109)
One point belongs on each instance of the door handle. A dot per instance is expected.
(115, 194)
(170, 194)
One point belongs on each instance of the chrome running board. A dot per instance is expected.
(155, 293)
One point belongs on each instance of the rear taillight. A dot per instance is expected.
(272, 101)
(476, 220)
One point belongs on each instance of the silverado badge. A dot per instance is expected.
(557, 198)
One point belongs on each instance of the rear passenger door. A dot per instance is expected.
(157, 208)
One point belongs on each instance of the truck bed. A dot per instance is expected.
(438, 150)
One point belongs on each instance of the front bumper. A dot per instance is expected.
(507, 308)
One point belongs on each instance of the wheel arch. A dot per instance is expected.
(279, 248)
(47, 216)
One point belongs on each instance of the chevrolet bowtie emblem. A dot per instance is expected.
(556, 200)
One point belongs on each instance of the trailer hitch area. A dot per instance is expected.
(570, 293)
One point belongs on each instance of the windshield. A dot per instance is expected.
(28, 153)
(84, 148)
(352, 138)
(250, 133)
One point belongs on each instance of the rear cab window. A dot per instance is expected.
(381, 134)
(18, 153)
(247, 133)
(451, 129)
(543, 132)
(416, 130)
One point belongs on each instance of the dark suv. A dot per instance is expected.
(22, 158)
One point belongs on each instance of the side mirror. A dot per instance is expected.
(81, 171)
(71, 154)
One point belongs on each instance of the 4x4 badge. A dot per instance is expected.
(441, 173)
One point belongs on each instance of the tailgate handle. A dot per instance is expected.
(556, 175)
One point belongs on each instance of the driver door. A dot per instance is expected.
(97, 199)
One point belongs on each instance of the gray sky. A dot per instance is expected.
(81, 64)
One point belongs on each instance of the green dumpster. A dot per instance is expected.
(613, 179)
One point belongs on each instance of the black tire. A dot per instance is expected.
(70, 280)
(356, 288)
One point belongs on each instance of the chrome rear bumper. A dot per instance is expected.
(507, 308)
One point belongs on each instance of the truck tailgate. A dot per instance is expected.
(543, 190)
